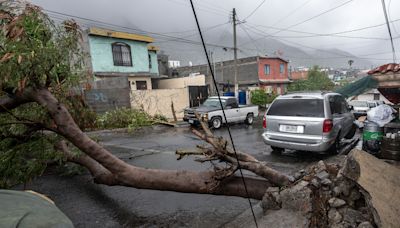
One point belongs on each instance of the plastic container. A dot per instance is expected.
(229, 94)
(390, 148)
(242, 97)
(372, 137)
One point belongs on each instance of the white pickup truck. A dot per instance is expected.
(211, 112)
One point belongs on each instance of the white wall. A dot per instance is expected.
(159, 101)
(369, 96)
(176, 83)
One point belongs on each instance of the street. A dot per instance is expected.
(91, 205)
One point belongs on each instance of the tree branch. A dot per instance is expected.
(11, 101)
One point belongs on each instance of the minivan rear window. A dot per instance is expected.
(297, 107)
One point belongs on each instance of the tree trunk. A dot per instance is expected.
(128, 175)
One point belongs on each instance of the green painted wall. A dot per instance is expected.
(154, 62)
(102, 59)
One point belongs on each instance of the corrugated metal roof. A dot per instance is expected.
(392, 67)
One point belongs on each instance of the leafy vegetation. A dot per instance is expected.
(316, 80)
(261, 98)
(126, 118)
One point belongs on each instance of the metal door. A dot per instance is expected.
(197, 95)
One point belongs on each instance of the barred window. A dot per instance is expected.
(121, 54)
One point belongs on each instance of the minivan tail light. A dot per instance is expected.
(327, 127)
(264, 122)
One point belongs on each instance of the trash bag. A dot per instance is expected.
(381, 114)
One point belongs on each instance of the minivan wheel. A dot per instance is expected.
(335, 148)
(352, 132)
(249, 119)
(216, 122)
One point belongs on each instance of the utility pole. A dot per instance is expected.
(235, 53)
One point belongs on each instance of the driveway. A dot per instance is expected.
(91, 205)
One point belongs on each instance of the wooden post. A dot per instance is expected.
(173, 111)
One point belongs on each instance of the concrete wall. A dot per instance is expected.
(274, 65)
(175, 83)
(102, 58)
(224, 73)
(159, 101)
(108, 94)
(132, 81)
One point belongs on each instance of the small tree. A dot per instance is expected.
(316, 80)
(259, 97)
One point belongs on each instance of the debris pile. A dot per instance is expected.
(324, 197)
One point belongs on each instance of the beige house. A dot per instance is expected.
(169, 91)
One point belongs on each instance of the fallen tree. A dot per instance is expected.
(40, 64)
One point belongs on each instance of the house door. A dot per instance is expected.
(197, 95)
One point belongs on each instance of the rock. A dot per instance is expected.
(322, 175)
(299, 174)
(336, 191)
(334, 216)
(297, 198)
(345, 187)
(354, 195)
(352, 216)
(321, 166)
(315, 183)
(336, 202)
(381, 183)
(365, 225)
(271, 199)
(326, 181)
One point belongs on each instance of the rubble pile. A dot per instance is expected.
(324, 197)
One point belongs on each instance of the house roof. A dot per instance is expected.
(153, 48)
(120, 35)
(393, 67)
(273, 57)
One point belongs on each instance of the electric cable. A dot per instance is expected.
(223, 111)
(390, 32)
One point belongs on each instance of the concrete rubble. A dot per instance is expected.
(362, 192)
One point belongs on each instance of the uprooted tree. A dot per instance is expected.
(40, 69)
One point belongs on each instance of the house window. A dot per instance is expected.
(121, 54)
(141, 85)
(149, 61)
(281, 68)
(266, 69)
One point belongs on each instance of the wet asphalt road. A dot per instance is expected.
(91, 205)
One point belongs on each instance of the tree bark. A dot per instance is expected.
(11, 101)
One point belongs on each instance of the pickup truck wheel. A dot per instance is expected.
(249, 119)
(216, 122)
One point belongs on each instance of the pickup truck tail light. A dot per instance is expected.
(327, 127)
(264, 122)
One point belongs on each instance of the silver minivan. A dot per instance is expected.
(308, 122)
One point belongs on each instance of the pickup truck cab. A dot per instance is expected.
(211, 112)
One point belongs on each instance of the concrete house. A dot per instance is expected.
(269, 73)
(119, 62)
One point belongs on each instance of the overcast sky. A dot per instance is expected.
(175, 18)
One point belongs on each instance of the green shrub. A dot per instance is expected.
(124, 118)
(261, 98)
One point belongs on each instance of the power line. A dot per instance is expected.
(313, 17)
(291, 13)
(175, 39)
(390, 33)
(334, 34)
(255, 10)
(337, 55)
(248, 35)
(223, 112)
